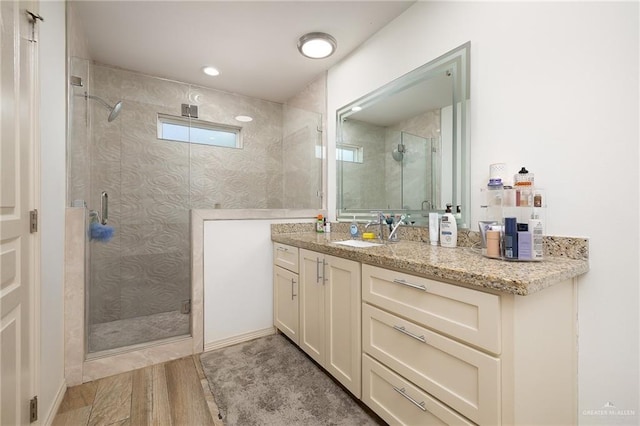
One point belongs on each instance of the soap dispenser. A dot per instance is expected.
(448, 229)
(353, 229)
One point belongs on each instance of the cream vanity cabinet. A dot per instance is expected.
(286, 290)
(437, 353)
(330, 321)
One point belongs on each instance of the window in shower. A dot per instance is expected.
(350, 153)
(184, 129)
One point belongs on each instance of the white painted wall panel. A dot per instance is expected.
(238, 282)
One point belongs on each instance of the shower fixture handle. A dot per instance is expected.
(104, 207)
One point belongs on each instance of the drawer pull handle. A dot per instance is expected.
(408, 284)
(283, 248)
(402, 392)
(401, 329)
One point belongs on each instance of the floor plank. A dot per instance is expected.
(141, 397)
(78, 397)
(174, 393)
(78, 416)
(161, 414)
(187, 403)
(113, 400)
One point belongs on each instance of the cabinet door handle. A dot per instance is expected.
(401, 329)
(324, 270)
(317, 270)
(408, 284)
(292, 293)
(402, 392)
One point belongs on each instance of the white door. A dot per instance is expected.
(17, 198)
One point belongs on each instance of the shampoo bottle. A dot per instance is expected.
(448, 229)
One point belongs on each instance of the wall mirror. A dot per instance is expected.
(404, 147)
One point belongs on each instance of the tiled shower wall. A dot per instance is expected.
(152, 184)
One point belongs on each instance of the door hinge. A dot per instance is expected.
(33, 221)
(186, 307)
(33, 409)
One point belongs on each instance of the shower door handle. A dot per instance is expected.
(104, 206)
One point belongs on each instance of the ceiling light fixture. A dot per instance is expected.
(317, 45)
(209, 70)
(244, 118)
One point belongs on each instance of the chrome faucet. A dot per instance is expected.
(380, 221)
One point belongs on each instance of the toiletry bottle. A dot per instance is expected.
(434, 228)
(448, 229)
(537, 232)
(493, 243)
(353, 229)
(327, 226)
(523, 181)
(510, 238)
(319, 225)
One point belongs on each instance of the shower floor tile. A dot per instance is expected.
(131, 331)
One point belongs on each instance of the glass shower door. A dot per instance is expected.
(140, 279)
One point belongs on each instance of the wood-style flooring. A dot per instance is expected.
(173, 393)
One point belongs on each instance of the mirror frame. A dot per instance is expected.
(457, 59)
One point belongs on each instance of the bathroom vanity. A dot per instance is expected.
(426, 334)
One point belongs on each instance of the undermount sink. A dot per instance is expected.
(358, 243)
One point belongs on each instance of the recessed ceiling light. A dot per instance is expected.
(356, 108)
(317, 45)
(244, 118)
(209, 70)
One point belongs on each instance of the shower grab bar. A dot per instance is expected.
(104, 207)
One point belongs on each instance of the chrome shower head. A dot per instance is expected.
(113, 110)
(398, 153)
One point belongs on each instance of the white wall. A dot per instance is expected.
(554, 87)
(238, 278)
(52, 204)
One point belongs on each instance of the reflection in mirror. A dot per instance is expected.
(404, 147)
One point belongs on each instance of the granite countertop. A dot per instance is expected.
(463, 265)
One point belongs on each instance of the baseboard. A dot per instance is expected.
(238, 339)
(56, 404)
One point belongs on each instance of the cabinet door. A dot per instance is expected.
(342, 321)
(285, 298)
(312, 304)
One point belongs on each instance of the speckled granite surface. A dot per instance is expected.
(460, 265)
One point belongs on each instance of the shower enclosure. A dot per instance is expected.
(138, 282)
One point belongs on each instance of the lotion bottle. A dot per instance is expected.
(448, 229)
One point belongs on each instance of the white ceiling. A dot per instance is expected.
(252, 43)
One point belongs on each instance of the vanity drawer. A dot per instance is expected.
(398, 402)
(464, 378)
(469, 315)
(285, 256)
